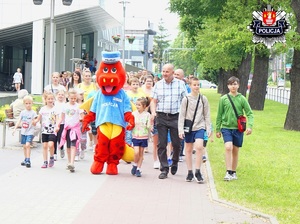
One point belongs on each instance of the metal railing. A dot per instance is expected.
(281, 95)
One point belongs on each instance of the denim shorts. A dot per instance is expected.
(233, 135)
(140, 142)
(190, 137)
(26, 138)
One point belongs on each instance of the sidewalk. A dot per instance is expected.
(54, 195)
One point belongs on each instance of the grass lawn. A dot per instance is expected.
(269, 164)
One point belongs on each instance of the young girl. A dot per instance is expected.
(134, 93)
(72, 116)
(48, 114)
(18, 79)
(140, 133)
(83, 139)
(27, 128)
(59, 104)
(201, 123)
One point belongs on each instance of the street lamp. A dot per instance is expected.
(51, 50)
(123, 41)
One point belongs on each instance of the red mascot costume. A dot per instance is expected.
(111, 110)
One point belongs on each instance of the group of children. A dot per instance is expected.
(60, 123)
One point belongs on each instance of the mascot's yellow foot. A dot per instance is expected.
(97, 167)
(112, 169)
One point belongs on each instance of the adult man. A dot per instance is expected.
(179, 74)
(165, 105)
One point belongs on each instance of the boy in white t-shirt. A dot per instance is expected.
(27, 128)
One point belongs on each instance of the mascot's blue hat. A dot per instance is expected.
(111, 57)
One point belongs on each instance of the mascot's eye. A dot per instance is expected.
(105, 70)
(114, 70)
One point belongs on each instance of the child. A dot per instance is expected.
(140, 133)
(18, 79)
(27, 128)
(226, 125)
(48, 114)
(201, 123)
(72, 116)
(83, 139)
(205, 140)
(59, 104)
(134, 93)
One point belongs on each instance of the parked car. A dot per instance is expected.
(204, 84)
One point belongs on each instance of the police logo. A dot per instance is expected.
(269, 26)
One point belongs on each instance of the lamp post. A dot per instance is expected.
(51, 50)
(123, 37)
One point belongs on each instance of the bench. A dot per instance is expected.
(10, 122)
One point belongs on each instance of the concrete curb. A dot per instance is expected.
(214, 196)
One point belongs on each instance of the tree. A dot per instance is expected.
(292, 121)
(160, 45)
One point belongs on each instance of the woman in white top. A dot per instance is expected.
(54, 87)
(18, 79)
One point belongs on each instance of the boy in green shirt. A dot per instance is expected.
(227, 126)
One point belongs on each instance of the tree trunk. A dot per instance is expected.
(259, 82)
(243, 73)
(223, 77)
(292, 121)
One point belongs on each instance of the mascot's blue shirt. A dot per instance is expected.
(111, 108)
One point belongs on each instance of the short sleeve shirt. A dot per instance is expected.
(169, 95)
(26, 122)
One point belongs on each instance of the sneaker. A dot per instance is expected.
(227, 177)
(174, 169)
(28, 164)
(156, 164)
(45, 165)
(180, 158)
(189, 177)
(163, 175)
(71, 168)
(23, 163)
(76, 158)
(203, 158)
(146, 150)
(82, 154)
(133, 170)
(199, 177)
(138, 173)
(62, 153)
(51, 162)
(234, 176)
(170, 162)
(55, 158)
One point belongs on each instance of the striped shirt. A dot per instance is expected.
(169, 95)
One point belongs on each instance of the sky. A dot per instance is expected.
(153, 10)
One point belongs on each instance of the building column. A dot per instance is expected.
(47, 79)
(70, 46)
(60, 54)
(37, 75)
